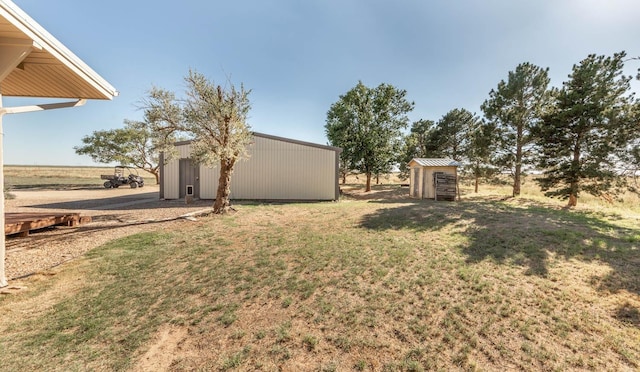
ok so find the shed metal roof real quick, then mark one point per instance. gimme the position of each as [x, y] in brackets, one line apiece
[49, 69]
[435, 162]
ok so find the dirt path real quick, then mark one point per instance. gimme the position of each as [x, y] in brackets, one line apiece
[115, 213]
[79, 200]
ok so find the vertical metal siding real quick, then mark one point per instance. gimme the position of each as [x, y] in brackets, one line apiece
[184, 151]
[172, 173]
[208, 182]
[171, 179]
[278, 170]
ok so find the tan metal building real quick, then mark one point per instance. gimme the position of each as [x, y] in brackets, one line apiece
[423, 183]
[277, 169]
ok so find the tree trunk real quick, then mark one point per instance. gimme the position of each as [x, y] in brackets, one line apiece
[368, 187]
[377, 179]
[573, 186]
[221, 205]
[476, 176]
[344, 178]
[154, 171]
[516, 176]
[516, 180]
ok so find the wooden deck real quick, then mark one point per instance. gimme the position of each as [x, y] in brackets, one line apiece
[22, 223]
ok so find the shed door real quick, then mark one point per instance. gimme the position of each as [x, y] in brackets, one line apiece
[189, 175]
[427, 184]
[416, 181]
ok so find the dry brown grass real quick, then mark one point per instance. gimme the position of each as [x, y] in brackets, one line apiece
[18, 171]
[374, 282]
[386, 179]
[62, 177]
[626, 205]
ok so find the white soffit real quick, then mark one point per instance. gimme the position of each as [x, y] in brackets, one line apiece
[49, 69]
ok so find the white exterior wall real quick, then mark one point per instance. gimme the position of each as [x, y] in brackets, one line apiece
[275, 170]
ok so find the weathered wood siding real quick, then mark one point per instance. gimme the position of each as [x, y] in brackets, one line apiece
[277, 169]
[415, 187]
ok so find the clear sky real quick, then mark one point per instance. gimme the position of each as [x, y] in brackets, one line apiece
[299, 56]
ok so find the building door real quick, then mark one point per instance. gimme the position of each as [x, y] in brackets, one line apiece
[427, 184]
[189, 176]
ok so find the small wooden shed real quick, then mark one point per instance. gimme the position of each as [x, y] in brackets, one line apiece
[433, 178]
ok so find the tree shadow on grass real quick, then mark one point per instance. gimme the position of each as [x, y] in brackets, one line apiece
[378, 192]
[628, 314]
[57, 186]
[138, 201]
[526, 236]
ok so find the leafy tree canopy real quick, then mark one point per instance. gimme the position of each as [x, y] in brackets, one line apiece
[514, 108]
[134, 145]
[367, 123]
[213, 117]
[454, 134]
[462, 136]
[589, 131]
[418, 143]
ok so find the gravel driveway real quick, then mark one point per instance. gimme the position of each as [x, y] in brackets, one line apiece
[114, 212]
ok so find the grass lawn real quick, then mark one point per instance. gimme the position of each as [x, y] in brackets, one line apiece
[363, 284]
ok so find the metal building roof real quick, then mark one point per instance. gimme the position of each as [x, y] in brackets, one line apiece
[435, 162]
[283, 139]
[303, 143]
[45, 67]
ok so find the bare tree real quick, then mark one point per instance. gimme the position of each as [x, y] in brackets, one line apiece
[214, 117]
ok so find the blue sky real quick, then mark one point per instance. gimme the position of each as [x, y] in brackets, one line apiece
[299, 56]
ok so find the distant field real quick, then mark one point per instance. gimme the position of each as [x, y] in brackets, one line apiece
[55, 177]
